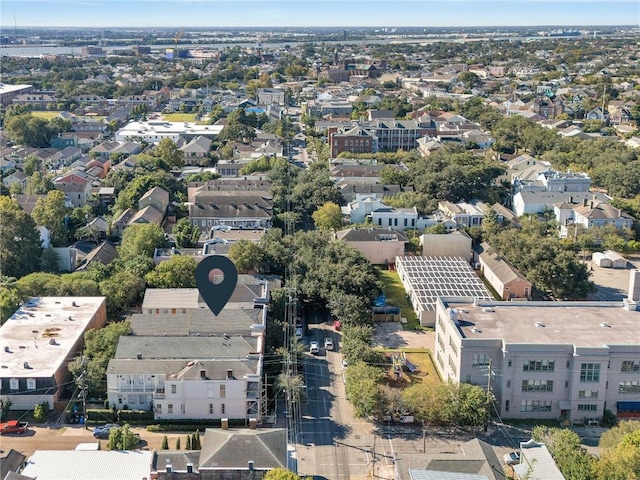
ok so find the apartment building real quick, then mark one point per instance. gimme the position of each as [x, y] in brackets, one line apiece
[547, 360]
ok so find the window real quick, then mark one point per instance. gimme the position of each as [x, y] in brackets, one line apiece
[537, 385]
[481, 359]
[588, 394]
[453, 366]
[222, 409]
[31, 383]
[223, 391]
[14, 384]
[629, 387]
[587, 407]
[630, 366]
[590, 372]
[182, 409]
[510, 363]
[506, 405]
[158, 408]
[211, 409]
[210, 391]
[539, 366]
[508, 383]
[453, 346]
[174, 388]
[170, 408]
[535, 406]
[441, 342]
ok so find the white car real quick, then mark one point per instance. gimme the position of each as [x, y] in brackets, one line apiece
[299, 332]
[314, 348]
[512, 458]
[328, 344]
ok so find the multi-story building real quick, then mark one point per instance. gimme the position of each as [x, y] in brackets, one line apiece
[154, 131]
[39, 340]
[571, 361]
[9, 92]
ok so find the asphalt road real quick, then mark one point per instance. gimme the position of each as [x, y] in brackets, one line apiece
[330, 442]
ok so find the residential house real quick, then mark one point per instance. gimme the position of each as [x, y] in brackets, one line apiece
[76, 187]
[105, 253]
[11, 462]
[453, 244]
[380, 246]
[502, 276]
[148, 214]
[156, 197]
[464, 214]
[351, 191]
[40, 339]
[355, 140]
[589, 213]
[598, 114]
[536, 463]
[196, 150]
[16, 178]
[396, 218]
[106, 149]
[123, 221]
[538, 202]
[27, 202]
[267, 96]
[358, 210]
[240, 210]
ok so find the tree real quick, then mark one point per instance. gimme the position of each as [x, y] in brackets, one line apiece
[121, 289]
[9, 302]
[165, 443]
[280, 474]
[40, 412]
[29, 131]
[141, 239]
[19, 240]
[51, 211]
[178, 443]
[363, 389]
[188, 443]
[469, 79]
[177, 272]
[619, 453]
[185, 233]
[394, 176]
[38, 184]
[49, 260]
[169, 152]
[122, 438]
[31, 165]
[572, 459]
[195, 444]
[328, 217]
[5, 405]
[246, 255]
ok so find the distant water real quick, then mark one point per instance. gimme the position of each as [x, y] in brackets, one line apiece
[37, 50]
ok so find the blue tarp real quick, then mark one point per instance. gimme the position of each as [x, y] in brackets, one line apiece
[628, 406]
[381, 301]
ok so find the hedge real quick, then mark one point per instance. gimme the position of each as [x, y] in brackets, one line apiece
[189, 425]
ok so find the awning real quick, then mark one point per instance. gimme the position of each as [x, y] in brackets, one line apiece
[628, 406]
[565, 405]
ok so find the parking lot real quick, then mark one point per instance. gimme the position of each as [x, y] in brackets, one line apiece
[612, 283]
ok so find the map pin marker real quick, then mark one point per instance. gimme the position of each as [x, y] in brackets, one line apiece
[216, 279]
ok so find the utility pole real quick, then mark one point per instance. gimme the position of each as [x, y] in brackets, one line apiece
[488, 401]
[82, 385]
[424, 439]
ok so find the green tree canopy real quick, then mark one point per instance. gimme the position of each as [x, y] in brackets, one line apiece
[141, 239]
[246, 255]
[328, 217]
[50, 212]
[169, 152]
[363, 389]
[177, 272]
[185, 233]
[19, 240]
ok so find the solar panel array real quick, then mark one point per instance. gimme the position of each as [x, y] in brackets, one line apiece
[433, 277]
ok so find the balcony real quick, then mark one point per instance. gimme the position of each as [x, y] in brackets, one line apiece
[159, 393]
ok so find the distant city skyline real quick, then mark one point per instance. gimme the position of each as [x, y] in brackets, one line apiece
[316, 13]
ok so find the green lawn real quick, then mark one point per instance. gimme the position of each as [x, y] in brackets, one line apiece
[396, 296]
[46, 115]
[179, 117]
[421, 358]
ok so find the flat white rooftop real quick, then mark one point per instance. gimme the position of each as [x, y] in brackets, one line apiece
[29, 335]
[6, 88]
[584, 324]
[89, 465]
[163, 129]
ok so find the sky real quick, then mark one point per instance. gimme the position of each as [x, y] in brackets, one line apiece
[303, 13]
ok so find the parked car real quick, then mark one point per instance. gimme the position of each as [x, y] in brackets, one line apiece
[299, 332]
[344, 363]
[512, 458]
[314, 348]
[328, 344]
[103, 431]
[13, 426]
[337, 325]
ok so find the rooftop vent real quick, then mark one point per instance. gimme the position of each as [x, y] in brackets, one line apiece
[139, 356]
[26, 365]
[488, 309]
[605, 325]
[476, 330]
[539, 325]
[7, 349]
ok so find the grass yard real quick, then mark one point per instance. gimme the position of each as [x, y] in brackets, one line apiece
[396, 296]
[179, 117]
[421, 358]
[45, 114]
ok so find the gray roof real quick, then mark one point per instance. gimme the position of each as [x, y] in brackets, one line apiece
[10, 461]
[232, 449]
[185, 369]
[194, 322]
[229, 204]
[104, 253]
[553, 197]
[499, 266]
[177, 460]
[186, 347]
[443, 475]
[371, 235]
[247, 289]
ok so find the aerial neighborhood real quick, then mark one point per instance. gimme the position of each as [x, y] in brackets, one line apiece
[436, 235]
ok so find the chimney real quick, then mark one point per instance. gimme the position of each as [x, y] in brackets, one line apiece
[7, 349]
[139, 356]
[189, 467]
[224, 424]
[591, 204]
[571, 199]
[169, 469]
[584, 202]
[203, 374]
[229, 374]
[250, 465]
[25, 365]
